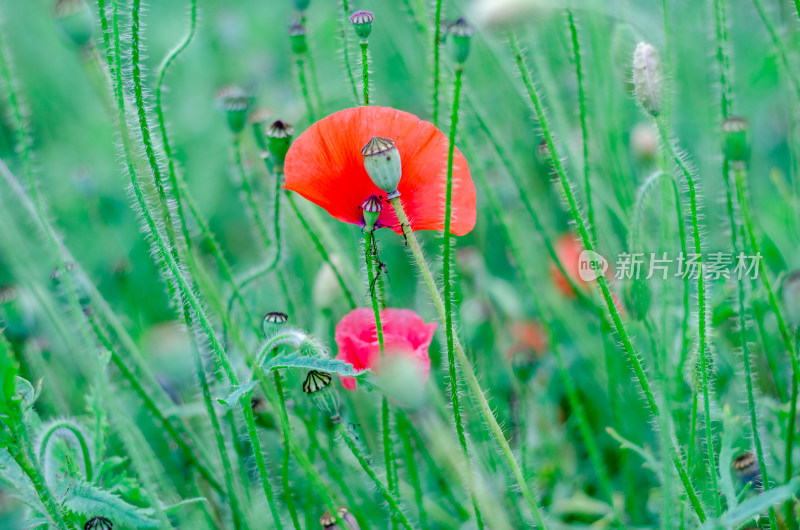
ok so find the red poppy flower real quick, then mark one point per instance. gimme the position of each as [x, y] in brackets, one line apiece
[404, 334]
[568, 251]
[325, 165]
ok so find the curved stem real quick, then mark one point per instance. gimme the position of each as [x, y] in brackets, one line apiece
[287, 492]
[78, 434]
[247, 188]
[627, 344]
[466, 366]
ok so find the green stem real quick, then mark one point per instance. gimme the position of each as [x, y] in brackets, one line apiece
[751, 403]
[702, 322]
[790, 441]
[162, 125]
[783, 52]
[365, 70]
[287, 492]
[21, 457]
[466, 366]
[723, 60]
[370, 256]
[602, 282]
[247, 188]
[301, 78]
[413, 472]
[78, 434]
[447, 244]
[587, 183]
[387, 494]
[437, 50]
[343, 20]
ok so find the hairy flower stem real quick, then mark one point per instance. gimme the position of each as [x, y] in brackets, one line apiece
[587, 182]
[343, 29]
[365, 70]
[321, 251]
[437, 51]
[466, 366]
[739, 175]
[287, 491]
[370, 256]
[394, 504]
[751, 402]
[413, 472]
[702, 322]
[627, 344]
[301, 79]
[790, 440]
[447, 245]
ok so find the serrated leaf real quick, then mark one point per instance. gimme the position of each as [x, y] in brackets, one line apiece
[87, 499]
[320, 364]
[232, 399]
[754, 506]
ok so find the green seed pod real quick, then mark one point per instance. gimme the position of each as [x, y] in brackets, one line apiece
[322, 393]
[328, 521]
[461, 33]
[75, 20]
[382, 162]
[791, 297]
[735, 144]
[236, 105]
[297, 38]
[648, 78]
[279, 139]
[272, 321]
[98, 523]
[362, 23]
[372, 210]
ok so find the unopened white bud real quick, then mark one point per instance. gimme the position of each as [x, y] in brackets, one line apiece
[648, 78]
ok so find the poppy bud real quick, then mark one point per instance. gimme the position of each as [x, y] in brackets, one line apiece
[460, 43]
[98, 523]
[297, 38]
[236, 105]
[362, 22]
[301, 5]
[747, 470]
[322, 393]
[273, 320]
[75, 20]
[382, 162]
[734, 139]
[372, 210]
[791, 297]
[279, 139]
[648, 78]
[328, 521]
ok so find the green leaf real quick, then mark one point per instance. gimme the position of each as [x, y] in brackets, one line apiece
[232, 399]
[87, 499]
[754, 506]
[320, 364]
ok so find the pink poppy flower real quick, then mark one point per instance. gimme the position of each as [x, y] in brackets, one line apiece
[404, 334]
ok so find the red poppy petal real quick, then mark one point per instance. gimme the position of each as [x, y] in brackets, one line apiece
[407, 323]
[325, 166]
